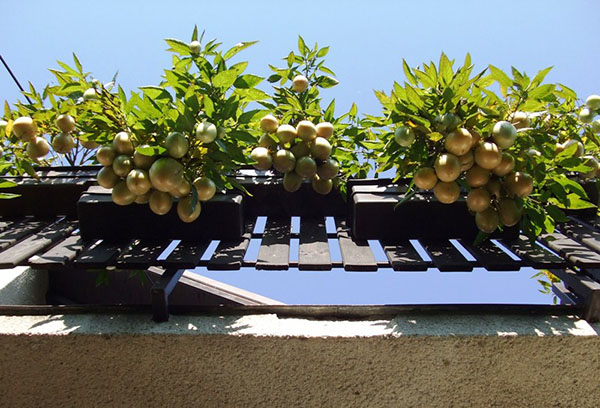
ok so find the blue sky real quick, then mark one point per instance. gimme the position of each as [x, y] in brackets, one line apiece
[368, 41]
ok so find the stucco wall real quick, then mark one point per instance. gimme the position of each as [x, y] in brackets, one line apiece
[268, 361]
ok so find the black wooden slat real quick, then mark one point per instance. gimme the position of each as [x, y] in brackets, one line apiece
[582, 233]
[274, 252]
[534, 255]
[446, 257]
[575, 252]
[313, 252]
[20, 230]
[142, 254]
[404, 257]
[19, 252]
[491, 257]
[229, 255]
[356, 255]
[59, 255]
[100, 255]
[584, 287]
[565, 295]
[186, 255]
[7, 223]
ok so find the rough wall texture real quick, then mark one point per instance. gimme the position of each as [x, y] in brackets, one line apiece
[241, 370]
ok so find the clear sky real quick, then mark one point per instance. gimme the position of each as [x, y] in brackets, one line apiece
[368, 40]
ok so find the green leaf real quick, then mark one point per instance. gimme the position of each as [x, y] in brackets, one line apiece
[329, 112]
[8, 196]
[237, 48]
[326, 81]
[539, 77]
[253, 94]
[247, 81]
[195, 33]
[209, 106]
[323, 52]
[252, 115]
[150, 150]
[302, 46]
[541, 91]
[572, 186]
[290, 59]
[500, 76]
[156, 92]
[178, 46]
[353, 110]
[225, 79]
[556, 213]
[77, 63]
[445, 69]
[7, 183]
[326, 70]
[407, 72]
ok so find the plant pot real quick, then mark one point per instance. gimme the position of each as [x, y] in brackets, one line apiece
[99, 218]
[56, 192]
[375, 214]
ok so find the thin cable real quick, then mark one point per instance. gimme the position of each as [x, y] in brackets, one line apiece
[15, 79]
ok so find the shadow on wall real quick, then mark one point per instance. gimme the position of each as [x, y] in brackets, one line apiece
[273, 325]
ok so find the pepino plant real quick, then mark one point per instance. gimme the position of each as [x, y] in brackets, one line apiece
[449, 132]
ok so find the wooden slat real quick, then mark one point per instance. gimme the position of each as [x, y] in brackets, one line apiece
[313, 252]
[229, 255]
[186, 255]
[7, 223]
[274, 252]
[446, 257]
[565, 295]
[584, 287]
[356, 255]
[19, 231]
[100, 255]
[575, 252]
[491, 257]
[142, 254]
[534, 255]
[404, 257]
[582, 233]
[39, 241]
[59, 255]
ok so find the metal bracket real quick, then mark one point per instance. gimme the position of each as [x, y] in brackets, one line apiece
[161, 290]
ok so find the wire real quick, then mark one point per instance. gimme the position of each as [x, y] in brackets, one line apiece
[15, 79]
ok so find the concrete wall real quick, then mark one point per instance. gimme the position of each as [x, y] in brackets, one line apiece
[269, 361]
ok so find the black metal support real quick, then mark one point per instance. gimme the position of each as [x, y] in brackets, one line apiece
[161, 291]
[584, 287]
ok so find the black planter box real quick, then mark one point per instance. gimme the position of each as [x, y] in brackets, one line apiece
[99, 218]
[56, 192]
[374, 214]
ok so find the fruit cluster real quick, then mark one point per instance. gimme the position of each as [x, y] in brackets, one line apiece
[138, 175]
[586, 115]
[483, 164]
[300, 153]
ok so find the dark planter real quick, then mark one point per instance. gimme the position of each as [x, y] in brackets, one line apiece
[56, 192]
[375, 214]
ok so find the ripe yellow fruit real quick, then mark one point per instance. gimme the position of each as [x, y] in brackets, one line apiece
[107, 178]
[90, 94]
[185, 212]
[121, 195]
[592, 162]
[221, 132]
[122, 165]
[24, 128]
[176, 145]
[476, 138]
[459, 142]
[182, 190]
[404, 136]
[269, 124]
[138, 182]
[38, 148]
[206, 132]
[160, 202]
[205, 187]
[495, 188]
[447, 167]
[425, 178]
[596, 126]
[449, 122]
[478, 199]
[446, 192]
[122, 143]
[507, 164]
[63, 143]
[586, 115]
[88, 144]
[142, 161]
[284, 161]
[306, 130]
[467, 161]
[292, 182]
[325, 130]
[509, 212]
[487, 155]
[285, 134]
[299, 83]
[300, 149]
[593, 102]
[321, 186]
[329, 169]
[262, 157]
[477, 176]
[166, 173]
[520, 120]
[195, 47]
[65, 122]
[320, 149]
[487, 220]
[504, 134]
[578, 152]
[3, 125]
[519, 184]
[106, 155]
[306, 167]
[144, 198]
[267, 141]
